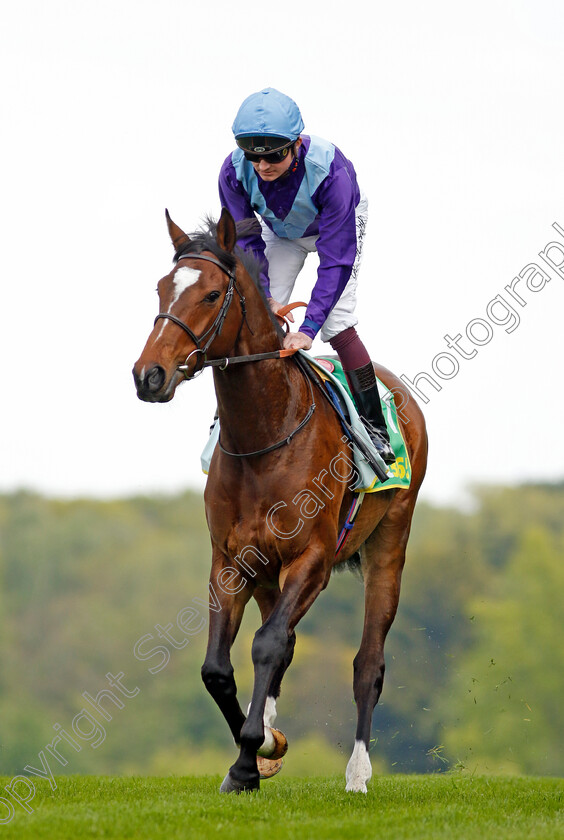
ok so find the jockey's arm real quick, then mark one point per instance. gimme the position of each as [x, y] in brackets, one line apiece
[297, 340]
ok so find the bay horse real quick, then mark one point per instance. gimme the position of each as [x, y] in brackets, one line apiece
[275, 500]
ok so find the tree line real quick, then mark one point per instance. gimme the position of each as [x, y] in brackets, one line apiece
[94, 591]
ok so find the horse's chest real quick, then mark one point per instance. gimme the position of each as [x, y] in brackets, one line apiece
[272, 528]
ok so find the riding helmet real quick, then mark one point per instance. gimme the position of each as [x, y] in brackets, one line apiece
[269, 120]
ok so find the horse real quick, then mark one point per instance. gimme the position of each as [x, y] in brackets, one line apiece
[278, 490]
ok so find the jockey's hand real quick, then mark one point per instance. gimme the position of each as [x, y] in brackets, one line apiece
[275, 306]
[297, 341]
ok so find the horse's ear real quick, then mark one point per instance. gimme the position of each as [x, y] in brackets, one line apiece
[226, 235]
[179, 238]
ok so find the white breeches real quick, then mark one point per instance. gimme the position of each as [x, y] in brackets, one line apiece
[286, 258]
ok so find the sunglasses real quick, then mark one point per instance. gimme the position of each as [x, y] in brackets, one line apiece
[269, 157]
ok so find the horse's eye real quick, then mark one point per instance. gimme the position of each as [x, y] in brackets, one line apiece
[212, 297]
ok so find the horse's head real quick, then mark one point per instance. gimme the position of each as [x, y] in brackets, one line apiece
[201, 311]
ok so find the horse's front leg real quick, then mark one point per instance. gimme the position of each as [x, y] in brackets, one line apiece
[226, 612]
[275, 744]
[267, 600]
[272, 644]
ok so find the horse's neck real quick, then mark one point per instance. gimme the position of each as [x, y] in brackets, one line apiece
[257, 400]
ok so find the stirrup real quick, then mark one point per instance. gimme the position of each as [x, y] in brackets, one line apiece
[381, 441]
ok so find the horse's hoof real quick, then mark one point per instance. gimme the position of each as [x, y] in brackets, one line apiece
[281, 744]
[231, 785]
[267, 767]
[278, 745]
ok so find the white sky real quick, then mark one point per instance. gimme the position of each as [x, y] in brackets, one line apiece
[113, 110]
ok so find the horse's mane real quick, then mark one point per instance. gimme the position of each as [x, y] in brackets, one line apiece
[204, 239]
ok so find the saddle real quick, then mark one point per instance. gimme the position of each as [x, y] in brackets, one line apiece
[330, 370]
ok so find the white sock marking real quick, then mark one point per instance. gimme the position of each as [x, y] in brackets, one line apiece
[359, 769]
[269, 717]
[269, 711]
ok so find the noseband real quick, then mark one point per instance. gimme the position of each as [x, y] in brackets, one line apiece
[215, 329]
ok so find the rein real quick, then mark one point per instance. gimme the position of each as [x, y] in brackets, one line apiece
[280, 443]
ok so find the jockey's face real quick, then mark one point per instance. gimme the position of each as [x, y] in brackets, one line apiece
[269, 171]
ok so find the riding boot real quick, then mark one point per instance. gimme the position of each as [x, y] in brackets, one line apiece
[364, 388]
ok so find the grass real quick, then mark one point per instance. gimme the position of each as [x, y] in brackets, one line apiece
[396, 807]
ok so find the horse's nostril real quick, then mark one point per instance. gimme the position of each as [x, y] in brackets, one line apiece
[155, 378]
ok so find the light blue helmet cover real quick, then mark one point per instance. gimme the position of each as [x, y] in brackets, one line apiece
[269, 113]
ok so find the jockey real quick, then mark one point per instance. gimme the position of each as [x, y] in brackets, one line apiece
[306, 194]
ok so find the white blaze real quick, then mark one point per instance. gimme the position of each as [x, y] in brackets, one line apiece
[183, 279]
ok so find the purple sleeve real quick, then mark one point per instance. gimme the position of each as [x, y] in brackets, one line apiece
[336, 198]
[233, 196]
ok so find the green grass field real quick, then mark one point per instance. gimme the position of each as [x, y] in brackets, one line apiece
[396, 807]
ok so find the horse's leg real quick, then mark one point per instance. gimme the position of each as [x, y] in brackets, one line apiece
[217, 671]
[305, 579]
[267, 600]
[384, 554]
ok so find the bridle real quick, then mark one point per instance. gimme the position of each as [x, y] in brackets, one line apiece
[212, 333]
[215, 329]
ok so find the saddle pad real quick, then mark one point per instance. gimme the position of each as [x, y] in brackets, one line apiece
[400, 470]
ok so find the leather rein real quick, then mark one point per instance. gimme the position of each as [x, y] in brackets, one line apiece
[212, 333]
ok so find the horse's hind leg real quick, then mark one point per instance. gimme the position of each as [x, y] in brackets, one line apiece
[384, 554]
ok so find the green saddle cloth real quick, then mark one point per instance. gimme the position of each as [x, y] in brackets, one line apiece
[401, 469]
